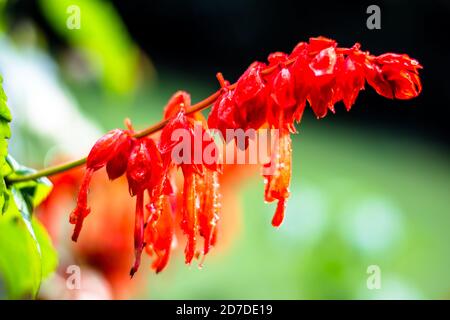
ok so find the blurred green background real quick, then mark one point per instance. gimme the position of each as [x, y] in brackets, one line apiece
[363, 193]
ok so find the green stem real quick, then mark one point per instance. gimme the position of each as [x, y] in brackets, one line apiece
[50, 171]
[45, 172]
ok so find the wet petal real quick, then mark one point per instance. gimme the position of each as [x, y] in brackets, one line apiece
[278, 175]
[138, 232]
[159, 233]
[106, 148]
[189, 223]
[208, 215]
[81, 211]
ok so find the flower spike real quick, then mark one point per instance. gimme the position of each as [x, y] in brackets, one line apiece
[272, 95]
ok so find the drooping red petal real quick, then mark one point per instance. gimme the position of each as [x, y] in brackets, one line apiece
[278, 175]
[189, 223]
[138, 232]
[283, 99]
[349, 81]
[322, 81]
[301, 73]
[144, 172]
[208, 213]
[81, 211]
[159, 233]
[111, 150]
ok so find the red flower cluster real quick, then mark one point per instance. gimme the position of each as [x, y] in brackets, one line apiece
[149, 169]
[272, 95]
[318, 72]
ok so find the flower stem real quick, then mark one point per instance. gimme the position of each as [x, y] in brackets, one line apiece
[202, 105]
[50, 171]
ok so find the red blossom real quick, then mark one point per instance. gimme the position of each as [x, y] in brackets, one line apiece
[250, 96]
[200, 194]
[223, 113]
[319, 72]
[144, 173]
[394, 76]
[271, 95]
[111, 150]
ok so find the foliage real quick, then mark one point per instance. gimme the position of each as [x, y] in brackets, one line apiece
[5, 133]
[27, 254]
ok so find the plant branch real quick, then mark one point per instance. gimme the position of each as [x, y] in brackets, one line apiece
[202, 105]
[145, 132]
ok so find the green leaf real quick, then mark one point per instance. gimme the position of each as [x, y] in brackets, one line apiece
[33, 191]
[5, 133]
[27, 254]
[25, 259]
[4, 110]
[49, 256]
[28, 194]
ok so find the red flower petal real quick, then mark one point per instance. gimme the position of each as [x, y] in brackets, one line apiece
[208, 213]
[222, 115]
[250, 97]
[320, 43]
[106, 148]
[278, 179]
[322, 81]
[144, 166]
[112, 150]
[189, 223]
[81, 211]
[144, 172]
[117, 166]
[180, 100]
[159, 233]
[350, 80]
[394, 76]
[138, 232]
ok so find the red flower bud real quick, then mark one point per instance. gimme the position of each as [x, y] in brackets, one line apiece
[111, 150]
[223, 113]
[250, 98]
[107, 147]
[394, 76]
